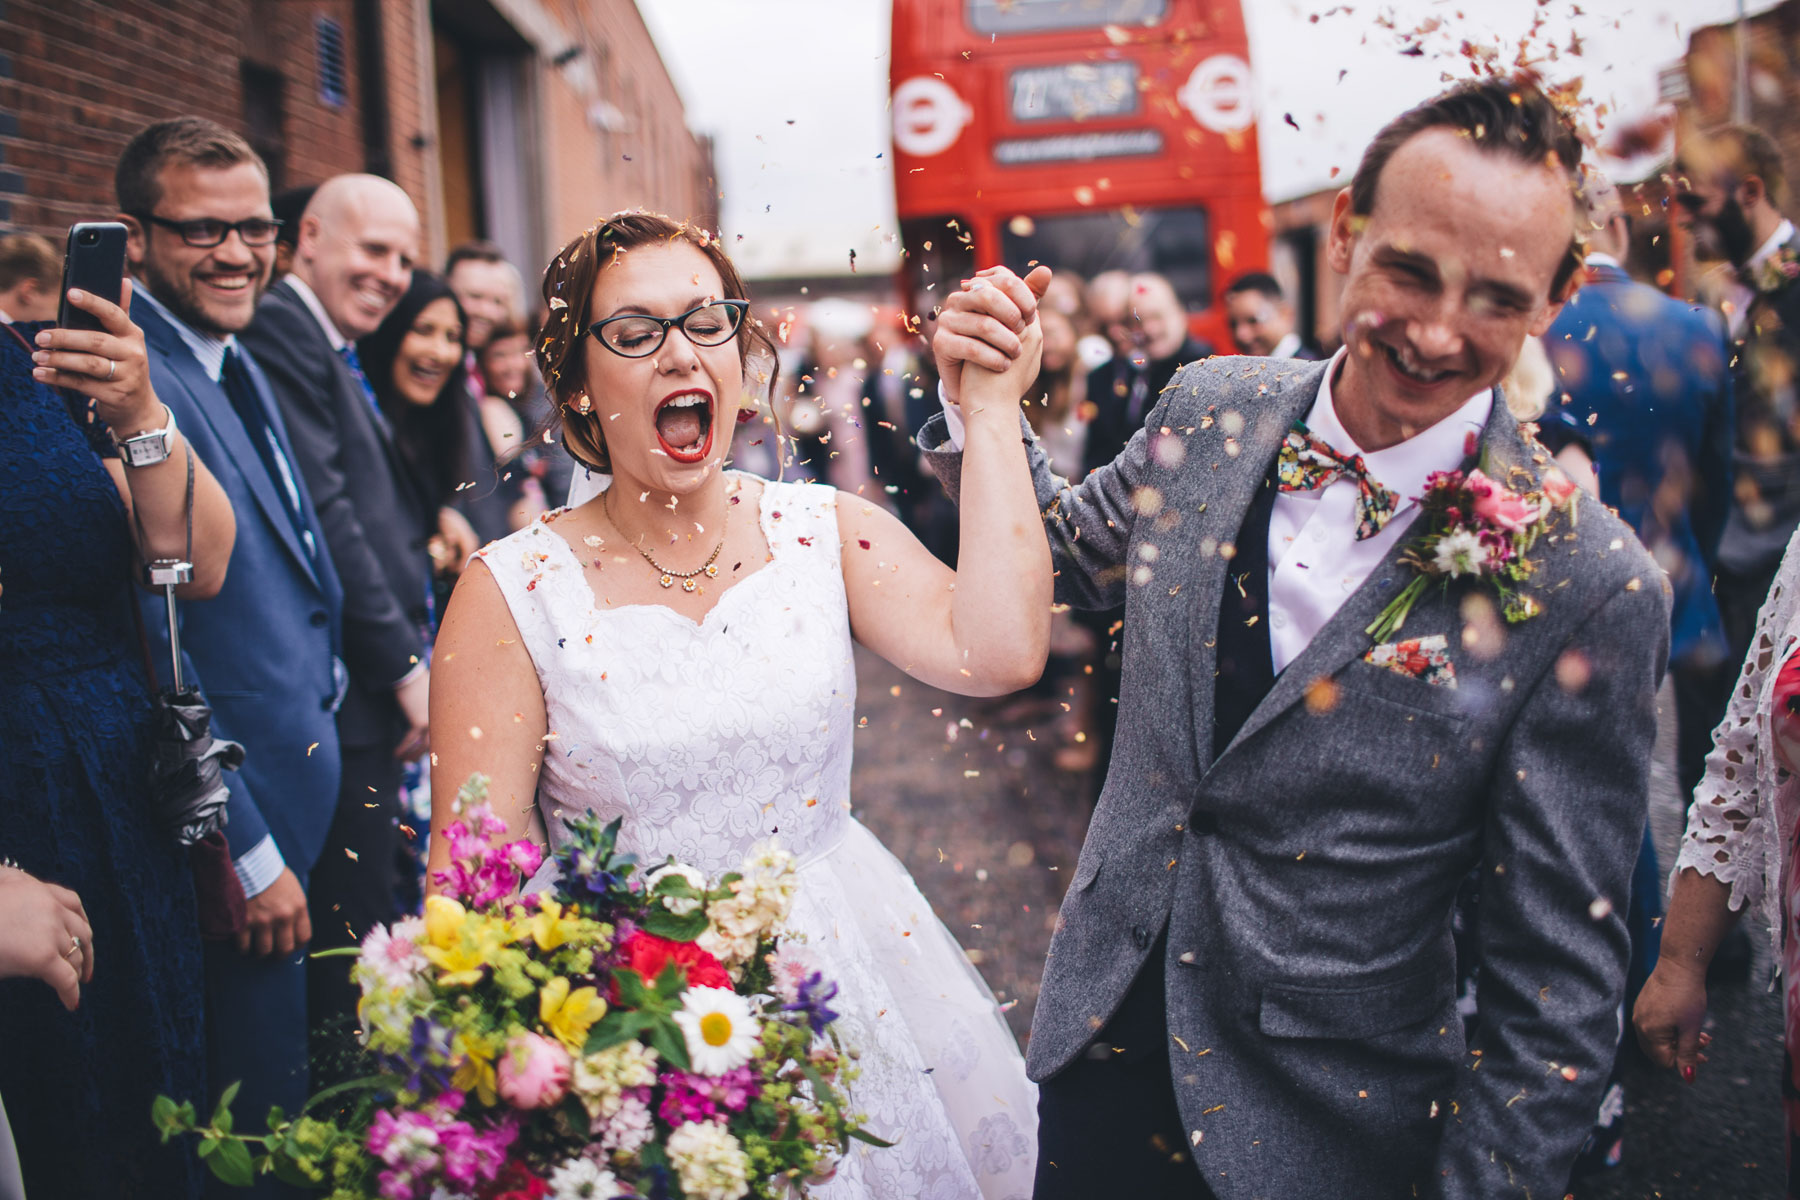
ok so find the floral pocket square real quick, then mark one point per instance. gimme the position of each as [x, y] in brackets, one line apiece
[1426, 658]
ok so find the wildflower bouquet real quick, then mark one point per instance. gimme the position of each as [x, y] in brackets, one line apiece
[635, 1034]
[1476, 528]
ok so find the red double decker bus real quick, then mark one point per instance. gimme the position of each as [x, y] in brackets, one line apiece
[1085, 134]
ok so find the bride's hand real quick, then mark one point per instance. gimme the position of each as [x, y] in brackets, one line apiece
[983, 386]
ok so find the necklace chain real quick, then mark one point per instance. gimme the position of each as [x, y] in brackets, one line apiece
[666, 577]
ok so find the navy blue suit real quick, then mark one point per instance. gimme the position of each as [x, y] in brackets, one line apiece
[1648, 385]
[1649, 389]
[264, 650]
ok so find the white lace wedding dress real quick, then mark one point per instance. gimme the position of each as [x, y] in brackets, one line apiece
[708, 737]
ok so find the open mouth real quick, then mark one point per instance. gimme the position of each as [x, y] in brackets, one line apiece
[684, 426]
[1408, 369]
[428, 374]
[228, 283]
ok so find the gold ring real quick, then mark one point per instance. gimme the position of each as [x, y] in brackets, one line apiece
[74, 945]
[112, 368]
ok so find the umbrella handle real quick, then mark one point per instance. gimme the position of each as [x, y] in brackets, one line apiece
[169, 574]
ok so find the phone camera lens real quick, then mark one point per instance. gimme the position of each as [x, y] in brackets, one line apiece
[90, 238]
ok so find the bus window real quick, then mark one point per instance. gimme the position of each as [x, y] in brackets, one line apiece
[1037, 16]
[1173, 242]
[941, 252]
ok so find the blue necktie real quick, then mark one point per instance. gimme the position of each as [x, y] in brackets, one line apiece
[348, 353]
[241, 392]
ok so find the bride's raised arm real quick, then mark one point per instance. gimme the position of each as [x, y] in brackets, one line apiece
[983, 629]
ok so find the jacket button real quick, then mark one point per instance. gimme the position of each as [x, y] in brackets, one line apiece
[319, 620]
[1203, 824]
[1141, 936]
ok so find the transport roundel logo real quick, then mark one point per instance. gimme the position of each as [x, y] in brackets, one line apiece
[928, 116]
[1218, 93]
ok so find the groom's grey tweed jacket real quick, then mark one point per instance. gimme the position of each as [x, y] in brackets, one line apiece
[1305, 873]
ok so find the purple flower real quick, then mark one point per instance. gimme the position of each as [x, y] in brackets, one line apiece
[427, 1062]
[811, 1001]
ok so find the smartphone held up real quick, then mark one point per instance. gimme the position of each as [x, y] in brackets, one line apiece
[94, 261]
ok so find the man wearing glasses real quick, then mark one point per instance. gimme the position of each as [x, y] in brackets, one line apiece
[353, 261]
[195, 198]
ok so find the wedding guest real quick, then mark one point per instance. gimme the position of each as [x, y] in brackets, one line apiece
[515, 418]
[1739, 854]
[490, 291]
[81, 475]
[43, 924]
[195, 198]
[352, 263]
[288, 208]
[414, 361]
[1123, 391]
[30, 273]
[1731, 189]
[1262, 320]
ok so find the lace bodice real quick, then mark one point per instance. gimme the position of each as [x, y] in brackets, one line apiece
[1745, 807]
[704, 738]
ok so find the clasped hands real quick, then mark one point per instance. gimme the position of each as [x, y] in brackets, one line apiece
[990, 329]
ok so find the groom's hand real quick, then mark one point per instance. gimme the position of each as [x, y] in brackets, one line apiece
[981, 324]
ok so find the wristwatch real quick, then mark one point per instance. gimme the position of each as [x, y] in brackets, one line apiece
[147, 449]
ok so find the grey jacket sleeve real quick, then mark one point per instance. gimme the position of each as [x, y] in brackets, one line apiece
[1089, 524]
[1566, 817]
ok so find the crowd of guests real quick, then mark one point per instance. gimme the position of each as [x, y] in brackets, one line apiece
[357, 426]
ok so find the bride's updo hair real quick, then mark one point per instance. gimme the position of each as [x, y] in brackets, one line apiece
[568, 298]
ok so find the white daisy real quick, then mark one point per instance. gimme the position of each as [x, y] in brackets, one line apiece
[1460, 553]
[720, 1028]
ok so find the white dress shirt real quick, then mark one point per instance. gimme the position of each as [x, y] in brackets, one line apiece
[1739, 293]
[1315, 561]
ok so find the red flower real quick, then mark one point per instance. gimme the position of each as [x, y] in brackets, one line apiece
[647, 954]
[516, 1182]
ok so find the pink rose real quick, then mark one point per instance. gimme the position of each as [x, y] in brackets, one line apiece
[533, 1072]
[1497, 506]
[1558, 488]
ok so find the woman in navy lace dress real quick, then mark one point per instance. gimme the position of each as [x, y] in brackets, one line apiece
[74, 755]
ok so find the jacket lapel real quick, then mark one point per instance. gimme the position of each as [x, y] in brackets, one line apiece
[1345, 637]
[206, 395]
[1286, 396]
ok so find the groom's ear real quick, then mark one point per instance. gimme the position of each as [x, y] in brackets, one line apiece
[1340, 238]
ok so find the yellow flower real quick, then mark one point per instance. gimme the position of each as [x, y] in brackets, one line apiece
[444, 919]
[475, 1073]
[463, 944]
[568, 1015]
[548, 927]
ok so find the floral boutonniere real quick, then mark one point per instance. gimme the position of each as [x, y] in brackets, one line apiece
[1778, 270]
[1476, 528]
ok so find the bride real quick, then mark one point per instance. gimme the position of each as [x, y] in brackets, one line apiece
[676, 651]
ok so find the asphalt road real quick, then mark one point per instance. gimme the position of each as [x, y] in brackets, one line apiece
[963, 791]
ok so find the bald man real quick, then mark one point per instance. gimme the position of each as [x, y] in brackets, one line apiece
[352, 263]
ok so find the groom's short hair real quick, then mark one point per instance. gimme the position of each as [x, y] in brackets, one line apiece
[1509, 116]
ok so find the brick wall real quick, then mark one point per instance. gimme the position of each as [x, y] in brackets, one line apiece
[78, 78]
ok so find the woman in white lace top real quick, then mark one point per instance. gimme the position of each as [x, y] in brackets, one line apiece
[676, 652]
[1739, 850]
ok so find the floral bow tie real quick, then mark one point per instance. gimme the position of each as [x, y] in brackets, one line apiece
[1306, 464]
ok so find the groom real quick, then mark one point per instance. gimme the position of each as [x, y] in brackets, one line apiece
[1251, 989]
